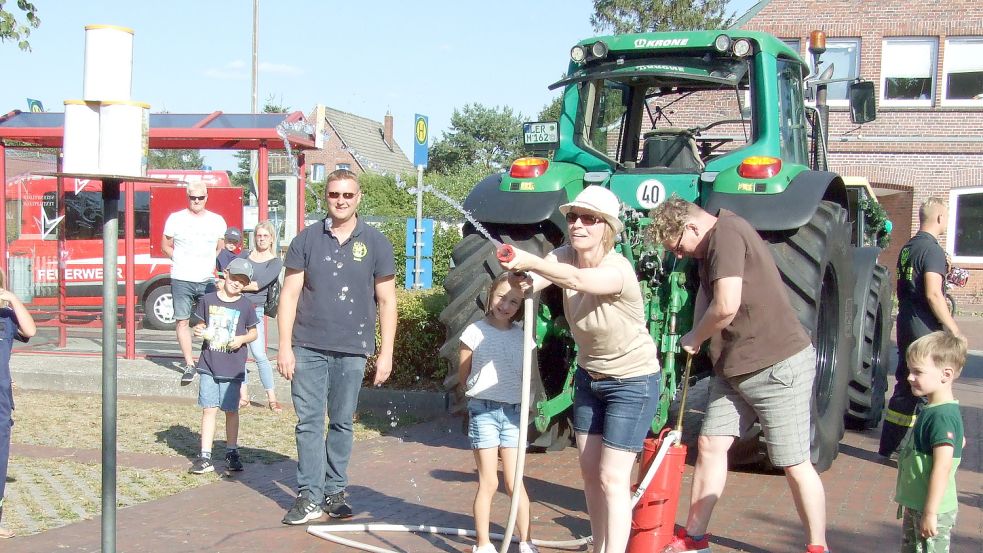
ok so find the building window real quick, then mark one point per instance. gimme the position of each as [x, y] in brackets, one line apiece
[317, 172]
[908, 71]
[962, 71]
[844, 54]
[345, 166]
[793, 43]
[965, 232]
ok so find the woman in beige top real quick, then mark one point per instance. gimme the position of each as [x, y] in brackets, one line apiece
[616, 386]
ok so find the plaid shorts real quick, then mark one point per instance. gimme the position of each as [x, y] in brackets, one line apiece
[778, 397]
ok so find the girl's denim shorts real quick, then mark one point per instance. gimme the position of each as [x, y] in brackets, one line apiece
[619, 409]
[493, 424]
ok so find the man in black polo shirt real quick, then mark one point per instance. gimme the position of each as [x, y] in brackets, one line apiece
[921, 310]
[338, 272]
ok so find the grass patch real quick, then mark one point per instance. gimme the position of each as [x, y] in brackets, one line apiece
[170, 427]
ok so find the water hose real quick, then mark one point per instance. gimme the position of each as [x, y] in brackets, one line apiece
[505, 253]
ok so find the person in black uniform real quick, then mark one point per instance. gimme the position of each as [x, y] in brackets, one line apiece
[921, 310]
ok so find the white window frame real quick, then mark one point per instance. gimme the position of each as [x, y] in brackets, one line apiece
[315, 177]
[950, 243]
[835, 102]
[933, 70]
[946, 67]
[345, 166]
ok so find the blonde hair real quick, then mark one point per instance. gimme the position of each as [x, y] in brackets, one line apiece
[930, 208]
[668, 219]
[495, 283]
[944, 349]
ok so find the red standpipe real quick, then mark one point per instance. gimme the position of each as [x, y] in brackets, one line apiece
[654, 517]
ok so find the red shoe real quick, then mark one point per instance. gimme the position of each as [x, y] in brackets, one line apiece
[684, 543]
[816, 549]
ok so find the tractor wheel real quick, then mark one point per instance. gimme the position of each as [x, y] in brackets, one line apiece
[869, 383]
[817, 269]
[475, 266]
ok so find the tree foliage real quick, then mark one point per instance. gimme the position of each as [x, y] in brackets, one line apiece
[12, 29]
[488, 137]
[552, 110]
[175, 159]
[642, 16]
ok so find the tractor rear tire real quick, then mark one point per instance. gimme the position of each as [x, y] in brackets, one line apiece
[869, 383]
[817, 268]
[475, 266]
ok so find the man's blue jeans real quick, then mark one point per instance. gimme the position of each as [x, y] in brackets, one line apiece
[324, 380]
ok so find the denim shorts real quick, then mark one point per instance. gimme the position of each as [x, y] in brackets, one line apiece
[778, 397]
[222, 393]
[619, 409]
[185, 294]
[493, 424]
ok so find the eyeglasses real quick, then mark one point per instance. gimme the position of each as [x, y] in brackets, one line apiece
[197, 198]
[586, 219]
[675, 249]
[346, 195]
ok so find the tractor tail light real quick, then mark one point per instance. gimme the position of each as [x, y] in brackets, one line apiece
[528, 167]
[759, 167]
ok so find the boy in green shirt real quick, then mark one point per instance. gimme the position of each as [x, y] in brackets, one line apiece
[926, 489]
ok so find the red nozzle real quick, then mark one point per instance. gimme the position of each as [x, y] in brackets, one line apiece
[505, 253]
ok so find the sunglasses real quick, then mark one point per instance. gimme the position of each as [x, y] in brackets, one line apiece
[197, 198]
[585, 218]
[346, 195]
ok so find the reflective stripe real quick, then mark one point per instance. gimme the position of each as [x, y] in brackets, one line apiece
[899, 419]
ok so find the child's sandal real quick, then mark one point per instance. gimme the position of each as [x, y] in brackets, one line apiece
[275, 407]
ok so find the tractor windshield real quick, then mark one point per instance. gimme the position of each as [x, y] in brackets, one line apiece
[674, 116]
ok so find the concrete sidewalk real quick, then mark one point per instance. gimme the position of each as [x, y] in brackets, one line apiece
[425, 475]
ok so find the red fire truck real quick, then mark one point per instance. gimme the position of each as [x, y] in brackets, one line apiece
[37, 232]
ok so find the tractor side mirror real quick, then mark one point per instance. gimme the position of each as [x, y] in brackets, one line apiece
[863, 106]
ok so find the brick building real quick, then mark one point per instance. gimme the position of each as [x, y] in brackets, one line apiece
[926, 62]
[355, 143]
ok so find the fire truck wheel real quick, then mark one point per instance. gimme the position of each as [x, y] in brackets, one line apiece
[158, 309]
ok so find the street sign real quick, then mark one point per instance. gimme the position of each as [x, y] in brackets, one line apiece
[421, 139]
[426, 275]
[426, 237]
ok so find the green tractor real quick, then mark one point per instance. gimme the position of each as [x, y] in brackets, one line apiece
[718, 118]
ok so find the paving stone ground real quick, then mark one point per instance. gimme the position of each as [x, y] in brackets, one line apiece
[426, 476]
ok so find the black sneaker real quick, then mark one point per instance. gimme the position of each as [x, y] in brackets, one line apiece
[189, 375]
[336, 505]
[303, 511]
[232, 460]
[201, 466]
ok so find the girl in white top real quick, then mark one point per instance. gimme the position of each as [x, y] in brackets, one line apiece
[490, 372]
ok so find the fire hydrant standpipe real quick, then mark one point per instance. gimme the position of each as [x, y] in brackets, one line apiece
[504, 253]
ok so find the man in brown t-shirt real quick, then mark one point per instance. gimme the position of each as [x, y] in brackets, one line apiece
[763, 362]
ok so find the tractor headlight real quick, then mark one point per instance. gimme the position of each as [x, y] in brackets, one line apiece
[742, 47]
[722, 43]
[577, 54]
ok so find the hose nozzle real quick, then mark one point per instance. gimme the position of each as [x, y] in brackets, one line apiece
[505, 253]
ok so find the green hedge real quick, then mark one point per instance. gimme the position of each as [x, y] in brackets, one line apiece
[419, 335]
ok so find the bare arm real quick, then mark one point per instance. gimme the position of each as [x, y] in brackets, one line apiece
[719, 312]
[385, 297]
[25, 323]
[244, 339]
[286, 313]
[220, 245]
[463, 368]
[590, 280]
[936, 300]
[168, 246]
[937, 481]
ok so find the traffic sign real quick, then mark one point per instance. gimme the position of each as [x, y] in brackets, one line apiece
[421, 139]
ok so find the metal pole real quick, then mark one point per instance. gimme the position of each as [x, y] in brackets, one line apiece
[3, 202]
[110, 229]
[129, 276]
[254, 104]
[418, 232]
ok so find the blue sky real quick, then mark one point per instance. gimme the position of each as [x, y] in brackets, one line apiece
[367, 57]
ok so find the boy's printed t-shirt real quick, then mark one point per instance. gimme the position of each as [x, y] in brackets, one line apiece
[936, 425]
[223, 322]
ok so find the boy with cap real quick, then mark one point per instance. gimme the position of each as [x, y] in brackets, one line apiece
[226, 322]
[233, 238]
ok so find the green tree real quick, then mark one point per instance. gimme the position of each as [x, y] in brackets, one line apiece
[478, 135]
[175, 159]
[12, 29]
[642, 16]
[552, 110]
